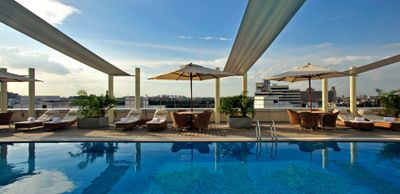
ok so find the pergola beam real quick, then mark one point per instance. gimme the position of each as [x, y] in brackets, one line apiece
[18, 17]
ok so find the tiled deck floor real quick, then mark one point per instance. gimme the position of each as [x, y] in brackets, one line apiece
[216, 133]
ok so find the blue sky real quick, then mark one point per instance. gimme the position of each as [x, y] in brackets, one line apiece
[160, 35]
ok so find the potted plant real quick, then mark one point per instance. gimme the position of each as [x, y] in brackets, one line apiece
[237, 109]
[92, 109]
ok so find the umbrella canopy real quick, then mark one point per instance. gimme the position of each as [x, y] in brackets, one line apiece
[11, 77]
[192, 72]
[307, 72]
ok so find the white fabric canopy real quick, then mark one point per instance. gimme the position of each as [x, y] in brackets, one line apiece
[262, 22]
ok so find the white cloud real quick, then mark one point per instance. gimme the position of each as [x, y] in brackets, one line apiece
[52, 11]
[214, 38]
[184, 37]
[15, 58]
[346, 59]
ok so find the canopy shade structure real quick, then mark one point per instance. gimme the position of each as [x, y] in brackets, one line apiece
[261, 24]
[18, 17]
[374, 65]
[192, 72]
[306, 72]
[10, 77]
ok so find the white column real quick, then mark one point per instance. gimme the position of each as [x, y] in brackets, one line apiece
[353, 93]
[4, 100]
[31, 97]
[137, 88]
[111, 93]
[244, 84]
[325, 95]
[353, 153]
[217, 116]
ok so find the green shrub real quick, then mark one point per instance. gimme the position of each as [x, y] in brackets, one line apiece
[237, 106]
[92, 106]
[391, 102]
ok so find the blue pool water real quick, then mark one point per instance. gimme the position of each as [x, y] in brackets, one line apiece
[298, 167]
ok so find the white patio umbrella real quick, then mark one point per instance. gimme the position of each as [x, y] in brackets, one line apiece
[11, 77]
[307, 72]
[192, 72]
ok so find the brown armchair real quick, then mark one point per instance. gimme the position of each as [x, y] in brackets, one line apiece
[202, 120]
[178, 120]
[308, 120]
[328, 121]
[294, 117]
[5, 118]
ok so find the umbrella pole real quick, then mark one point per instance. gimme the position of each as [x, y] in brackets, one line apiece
[191, 93]
[309, 92]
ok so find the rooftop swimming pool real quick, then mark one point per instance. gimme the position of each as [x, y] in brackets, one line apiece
[109, 167]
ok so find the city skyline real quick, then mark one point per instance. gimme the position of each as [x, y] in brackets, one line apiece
[134, 36]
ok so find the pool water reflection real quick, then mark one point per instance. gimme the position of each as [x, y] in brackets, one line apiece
[110, 167]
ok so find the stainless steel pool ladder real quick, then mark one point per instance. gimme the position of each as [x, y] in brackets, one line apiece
[274, 134]
[258, 131]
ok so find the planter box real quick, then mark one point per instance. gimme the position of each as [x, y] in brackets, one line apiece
[239, 122]
[91, 123]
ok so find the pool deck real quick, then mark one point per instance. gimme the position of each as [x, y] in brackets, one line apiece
[217, 133]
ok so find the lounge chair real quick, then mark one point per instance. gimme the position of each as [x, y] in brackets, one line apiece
[179, 121]
[70, 118]
[328, 121]
[131, 120]
[308, 120]
[379, 121]
[159, 120]
[348, 120]
[294, 118]
[32, 122]
[5, 118]
[202, 120]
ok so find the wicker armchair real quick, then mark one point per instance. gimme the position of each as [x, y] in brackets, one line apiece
[178, 120]
[328, 121]
[294, 117]
[202, 120]
[5, 118]
[308, 120]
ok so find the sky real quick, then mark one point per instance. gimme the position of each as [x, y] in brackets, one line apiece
[160, 35]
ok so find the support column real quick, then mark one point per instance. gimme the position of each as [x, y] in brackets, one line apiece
[31, 97]
[353, 93]
[325, 95]
[111, 93]
[353, 153]
[137, 88]
[244, 84]
[4, 100]
[217, 116]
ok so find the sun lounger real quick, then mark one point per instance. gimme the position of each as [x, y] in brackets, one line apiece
[348, 120]
[379, 121]
[32, 122]
[70, 118]
[159, 120]
[131, 120]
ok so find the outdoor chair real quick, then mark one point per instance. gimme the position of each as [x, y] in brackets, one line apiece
[294, 117]
[307, 120]
[202, 120]
[348, 120]
[5, 118]
[32, 122]
[178, 120]
[131, 120]
[379, 121]
[159, 120]
[69, 119]
[328, 121]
